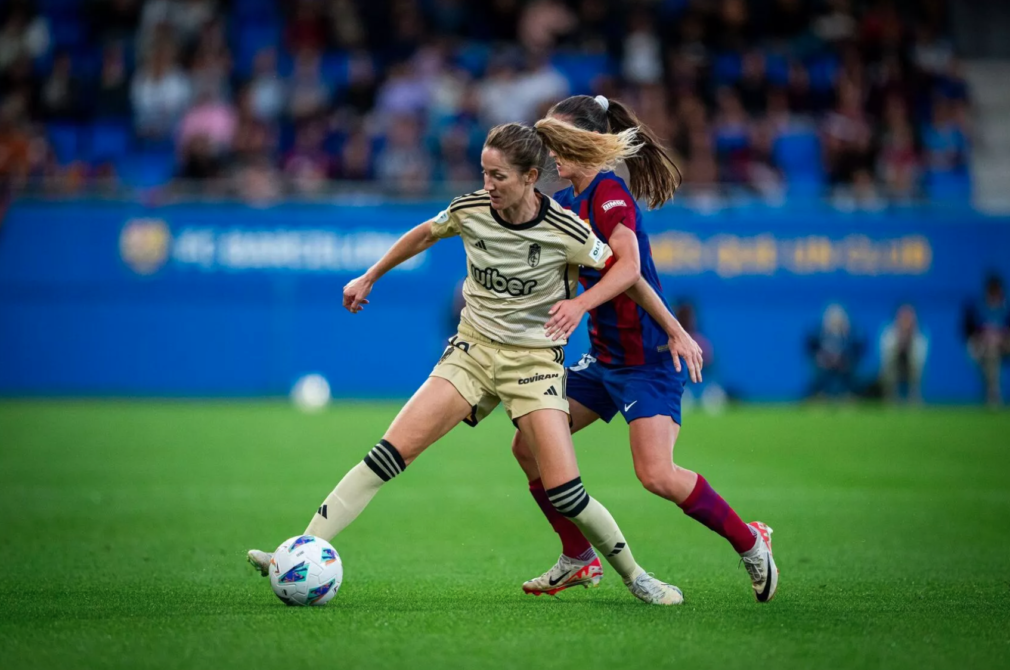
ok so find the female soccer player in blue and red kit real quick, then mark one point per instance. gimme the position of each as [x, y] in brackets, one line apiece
[633, 366]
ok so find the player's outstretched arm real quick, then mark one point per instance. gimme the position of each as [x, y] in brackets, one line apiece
[682, 345]
[413, 242]
[567, 314]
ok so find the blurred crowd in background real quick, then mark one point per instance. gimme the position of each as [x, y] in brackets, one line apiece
[862, 101]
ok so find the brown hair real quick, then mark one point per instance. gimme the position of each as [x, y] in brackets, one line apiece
[526, 148]
[654, 175]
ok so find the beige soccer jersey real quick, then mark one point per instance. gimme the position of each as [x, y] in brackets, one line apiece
[516, 272]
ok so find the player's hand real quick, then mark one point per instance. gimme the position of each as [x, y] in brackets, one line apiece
[355, 293]
[565, 318]
[683, 346]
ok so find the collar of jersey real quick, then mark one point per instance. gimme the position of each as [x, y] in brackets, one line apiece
[545, 204]
[588, 191]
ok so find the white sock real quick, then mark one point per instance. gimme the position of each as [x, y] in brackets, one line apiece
[355, 491]
[598, 525]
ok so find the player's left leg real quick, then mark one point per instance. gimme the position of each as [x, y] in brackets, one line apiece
[435, 409]
[652, 442]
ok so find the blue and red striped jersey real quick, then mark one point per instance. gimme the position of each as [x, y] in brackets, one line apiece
[621, 332]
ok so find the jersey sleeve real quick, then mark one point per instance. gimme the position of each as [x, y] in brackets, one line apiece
[446, 224]
[613, 204]
[593, 253]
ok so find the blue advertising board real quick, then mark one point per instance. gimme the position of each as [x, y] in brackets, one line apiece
[228, 300]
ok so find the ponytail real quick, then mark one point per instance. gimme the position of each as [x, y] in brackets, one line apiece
[654, 176]
[586, 148]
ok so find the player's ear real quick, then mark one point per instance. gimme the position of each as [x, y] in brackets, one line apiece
[532, 176]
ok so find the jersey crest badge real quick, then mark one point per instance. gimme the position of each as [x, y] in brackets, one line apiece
[534, 258]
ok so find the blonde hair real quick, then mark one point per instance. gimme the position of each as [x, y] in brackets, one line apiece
[654, 175]
[586, 148]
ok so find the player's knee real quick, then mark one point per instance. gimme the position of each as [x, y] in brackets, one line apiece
[520, 449]
[658, 480]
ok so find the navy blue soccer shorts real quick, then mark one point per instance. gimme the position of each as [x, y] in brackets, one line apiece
[636, 391]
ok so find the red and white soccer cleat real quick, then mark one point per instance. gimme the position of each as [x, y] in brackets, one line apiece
[565, 574]
[764, 575]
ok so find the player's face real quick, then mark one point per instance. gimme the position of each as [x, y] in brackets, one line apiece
[504, 182]
[565, 170]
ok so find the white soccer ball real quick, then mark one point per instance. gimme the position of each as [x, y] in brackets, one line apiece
[306, 570]
[311, 393]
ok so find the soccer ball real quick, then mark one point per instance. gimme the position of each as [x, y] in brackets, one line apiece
[306, 570]
[311, 393]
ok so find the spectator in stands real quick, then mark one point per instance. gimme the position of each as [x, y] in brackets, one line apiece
[357, 159]
[253, 136]
[903, 350]
[258, 182]
[405, 91]
[403, 163]
[732, 134]
[898, 164]
[500, 100]
[543, 23]
[347, 30]
[266, 88]
[539, 86]
[113, 21]
[111, 95]
[15, 146]
[358, 96]
[642, 62]
[184, 18]
[23, 33]
[987, 330]
[160, 94]
[308, 93]
[200, 165]
[212, 119]
[307, 166]
[848, 137]
[836, 351]
[62, 96]
[306, 29]
[210, 70]
[945, 140]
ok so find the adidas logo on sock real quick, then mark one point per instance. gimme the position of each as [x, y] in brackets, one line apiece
[481, 245]
[550, 391]
[322, 511]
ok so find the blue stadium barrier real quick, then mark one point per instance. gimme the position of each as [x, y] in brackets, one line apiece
[227, 300]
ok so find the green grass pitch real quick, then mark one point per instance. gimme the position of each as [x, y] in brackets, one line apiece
[124, 526]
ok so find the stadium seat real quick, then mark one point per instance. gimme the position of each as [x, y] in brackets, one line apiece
[798, 155]
[147, 169]
[948, 185]
[823, 71]
[65, 140]
[580, 70]
[777, 69]
[473, 57]
[727, 67]
[251, 38]
[110, 141]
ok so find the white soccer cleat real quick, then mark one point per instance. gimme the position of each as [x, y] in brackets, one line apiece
[565, 574]
[260, 560]
[764, 575]
[655, 592]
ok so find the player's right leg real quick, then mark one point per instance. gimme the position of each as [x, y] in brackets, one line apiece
[548, 435]
[435, 409]
[578, 564]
